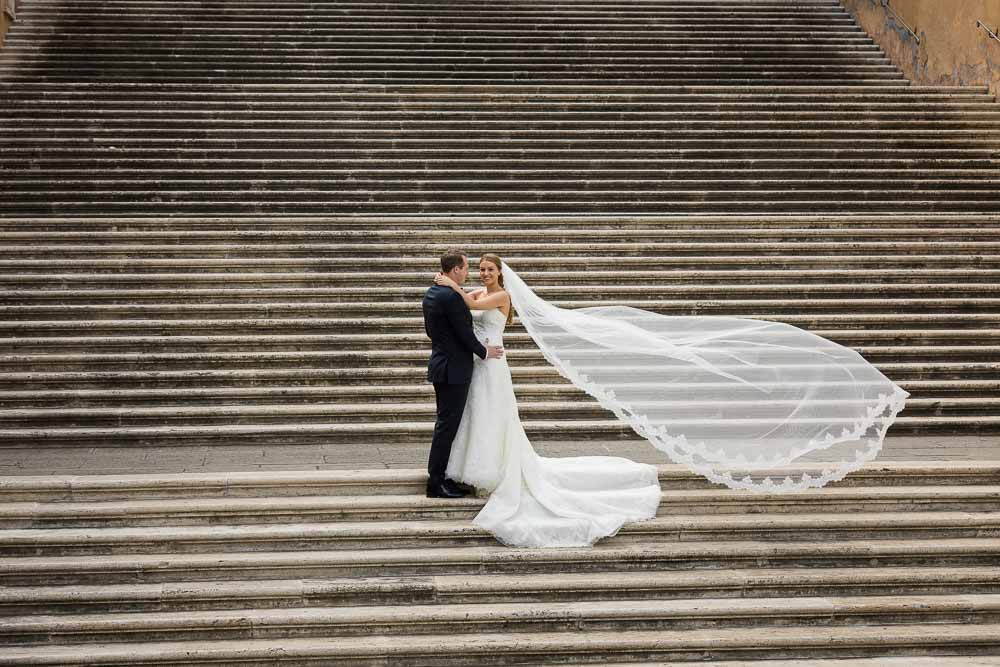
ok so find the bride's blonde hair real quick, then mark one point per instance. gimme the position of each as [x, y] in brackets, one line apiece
[497, 262]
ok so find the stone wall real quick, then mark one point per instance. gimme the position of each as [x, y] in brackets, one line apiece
[4, 23]
[952, 50]
[7, 9]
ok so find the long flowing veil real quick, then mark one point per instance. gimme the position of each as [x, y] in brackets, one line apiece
[747, 403]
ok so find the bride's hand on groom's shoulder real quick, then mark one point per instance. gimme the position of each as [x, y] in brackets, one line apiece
[444, 281]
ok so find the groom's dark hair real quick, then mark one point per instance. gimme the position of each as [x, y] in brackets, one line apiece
[452, 259]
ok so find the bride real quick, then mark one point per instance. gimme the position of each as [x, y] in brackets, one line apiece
[534, 501]
[751, 404]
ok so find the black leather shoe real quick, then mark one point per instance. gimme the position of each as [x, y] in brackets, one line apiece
[442, 489]
[461, 486]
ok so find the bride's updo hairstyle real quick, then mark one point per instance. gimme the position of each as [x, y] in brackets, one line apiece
[497, 262]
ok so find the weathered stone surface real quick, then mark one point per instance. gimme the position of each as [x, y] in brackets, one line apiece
[217, 222]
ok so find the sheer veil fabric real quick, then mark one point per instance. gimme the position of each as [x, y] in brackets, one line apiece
[751, 404]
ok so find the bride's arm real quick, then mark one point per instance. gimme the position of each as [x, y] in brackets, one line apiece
[477, 300]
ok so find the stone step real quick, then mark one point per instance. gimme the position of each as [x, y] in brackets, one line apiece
[790, 584]
[469, 620]
[593, 53]
[537, 140]
[836, 20]
[19, 318]
[469, 22]
[395, 482]
[864, 340]
[610, 14]
[609, 11]
[360, 375]
[376, 393]
[326, 433]
[282, 167]
[229, 511]
[488, 24]
[488, 29]
[56, 107]
[696, 203]
[430, 534]
[153, 238]
[453, 95]
[692, 111]
[403, 71]
[288, 264]
[915, 122]
[579, 45]
[423, 252]
[138, 358]
[838, 151]
[448, 177]
[123, 57]
[525, 96]
[391, 412]
[361, 202]
[527, 224]
[580, 263]
[79, 297]
[884, 323]
[668, 646]
[504, 24]
[575, 186]
[529, 139]
[817, 70]
[53, 284]
[152, 233]
[118, 569]
[432, 77]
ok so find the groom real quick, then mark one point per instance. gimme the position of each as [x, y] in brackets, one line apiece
[448, 323]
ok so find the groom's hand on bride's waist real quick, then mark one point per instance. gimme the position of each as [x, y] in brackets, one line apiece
[494, 351]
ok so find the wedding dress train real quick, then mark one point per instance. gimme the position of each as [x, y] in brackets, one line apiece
[536, 501]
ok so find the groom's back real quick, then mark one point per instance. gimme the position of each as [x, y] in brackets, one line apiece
[450, 361]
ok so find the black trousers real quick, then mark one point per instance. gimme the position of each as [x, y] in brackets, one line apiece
[450, 406]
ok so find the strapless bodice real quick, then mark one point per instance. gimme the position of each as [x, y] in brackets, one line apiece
[489, 325]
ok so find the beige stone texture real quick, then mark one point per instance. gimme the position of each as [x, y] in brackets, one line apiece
[952, 50]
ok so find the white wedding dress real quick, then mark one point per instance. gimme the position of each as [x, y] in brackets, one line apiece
[536, 501]
[755, 405]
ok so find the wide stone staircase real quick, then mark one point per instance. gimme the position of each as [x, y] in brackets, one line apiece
[152, 107]
[327, 568]
[216, 223]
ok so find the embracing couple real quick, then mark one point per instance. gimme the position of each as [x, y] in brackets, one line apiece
[479, 440]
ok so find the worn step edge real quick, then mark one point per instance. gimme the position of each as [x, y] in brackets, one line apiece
[360, 481]
[435, 589]
[902, 498]
[383, 533]
[678, 644]
[470, 619]
[481, 559]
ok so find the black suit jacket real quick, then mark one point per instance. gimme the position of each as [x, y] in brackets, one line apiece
[448, 323]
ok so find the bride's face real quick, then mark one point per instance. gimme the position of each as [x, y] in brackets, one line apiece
[488, 273]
